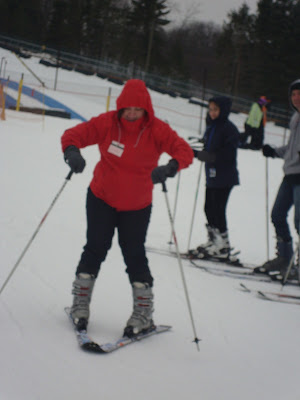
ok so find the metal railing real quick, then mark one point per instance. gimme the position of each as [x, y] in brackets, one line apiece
[120, 73]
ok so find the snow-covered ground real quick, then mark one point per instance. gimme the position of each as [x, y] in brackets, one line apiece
[249, 347]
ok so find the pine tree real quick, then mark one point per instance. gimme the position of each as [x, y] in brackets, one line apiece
[21, 19]
[235, 51]
[277, 44]
[105, 22]
[145, 22]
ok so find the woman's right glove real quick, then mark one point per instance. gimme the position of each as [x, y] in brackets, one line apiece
[268, 151]
[74, 159]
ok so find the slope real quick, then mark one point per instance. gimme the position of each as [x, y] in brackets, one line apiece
[249, 347]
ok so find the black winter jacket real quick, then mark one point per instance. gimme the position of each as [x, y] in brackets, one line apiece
[221, 138]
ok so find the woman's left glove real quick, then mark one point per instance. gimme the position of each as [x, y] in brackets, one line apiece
[205, 156]
[161, 173]
[74, 159]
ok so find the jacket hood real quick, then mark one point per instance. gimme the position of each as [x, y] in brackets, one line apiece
[135, 94]
[293, 85]
[224, 103]
[262, 101]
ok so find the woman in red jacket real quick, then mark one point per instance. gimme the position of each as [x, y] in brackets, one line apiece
[130, 140]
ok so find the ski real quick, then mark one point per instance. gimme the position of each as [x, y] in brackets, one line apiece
[232, 261]
[273, 296]
[86, 343]
[221, 268]
[165, 252]
[244, 273]
[241, 273]
[279, 297]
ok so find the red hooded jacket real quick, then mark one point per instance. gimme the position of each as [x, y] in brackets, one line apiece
[124, 181]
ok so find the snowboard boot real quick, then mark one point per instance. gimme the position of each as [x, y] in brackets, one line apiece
[200, 250]
[82, 291]
[141, 318]
[278, 266]
[220, 247]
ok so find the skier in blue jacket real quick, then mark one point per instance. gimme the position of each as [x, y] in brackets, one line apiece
[221, 140]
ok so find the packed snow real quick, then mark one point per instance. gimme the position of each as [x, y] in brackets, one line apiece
[249, 346]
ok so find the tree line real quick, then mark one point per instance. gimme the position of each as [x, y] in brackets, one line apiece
[248, 56]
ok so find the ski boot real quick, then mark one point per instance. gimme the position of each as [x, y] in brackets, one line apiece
[141, 318]
[280, 275]
[82, 291]
[196, 253]
[279, 264]
[219, 248]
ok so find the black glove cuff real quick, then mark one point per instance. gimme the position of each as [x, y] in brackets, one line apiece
[173, 166]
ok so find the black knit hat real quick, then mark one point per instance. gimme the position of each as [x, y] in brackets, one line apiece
[295, 85]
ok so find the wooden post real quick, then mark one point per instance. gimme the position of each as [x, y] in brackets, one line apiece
[108, 99]
[19, 93]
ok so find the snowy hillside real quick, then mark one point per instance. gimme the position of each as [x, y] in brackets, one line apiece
[249, 347]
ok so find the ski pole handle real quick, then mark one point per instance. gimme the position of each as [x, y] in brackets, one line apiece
[69, 175]
[164, 187]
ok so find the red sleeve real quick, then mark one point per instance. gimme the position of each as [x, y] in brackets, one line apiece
[170, 142]
[86, 133]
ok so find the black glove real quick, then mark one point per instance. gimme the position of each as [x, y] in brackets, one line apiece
[205, 156]
[160, 174]
[74, 159]
[195, 152]
[268, 151]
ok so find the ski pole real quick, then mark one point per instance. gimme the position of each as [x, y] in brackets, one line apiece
[35, 232]
[195, 205]
[175, 204]
[291, 263]
[298, 254]
[267, 209]
[196, 340]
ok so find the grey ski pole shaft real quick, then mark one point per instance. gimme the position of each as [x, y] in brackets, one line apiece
[195, 205]
[35, 233]
[175, 203]
[196, 340]
[267, 209]
[291, 263]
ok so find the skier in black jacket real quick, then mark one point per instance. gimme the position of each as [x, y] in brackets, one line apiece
[221, 140]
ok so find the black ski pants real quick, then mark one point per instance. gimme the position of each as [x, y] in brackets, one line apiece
[215, 207]
[257, 138]
[132, 227]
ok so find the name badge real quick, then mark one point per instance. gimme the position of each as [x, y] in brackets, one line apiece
[116, 148]
[212, 172]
